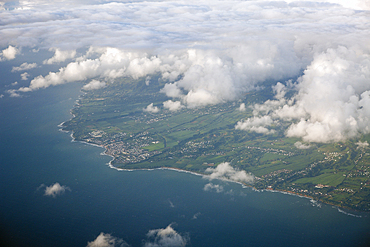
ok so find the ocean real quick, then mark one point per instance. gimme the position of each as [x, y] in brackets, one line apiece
[34, 154]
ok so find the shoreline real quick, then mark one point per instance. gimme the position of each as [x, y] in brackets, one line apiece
[291, 193]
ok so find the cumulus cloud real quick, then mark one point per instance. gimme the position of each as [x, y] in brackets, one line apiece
[107, 240]
[59, 56]
[111, 63]
[225, 171]
[151, 108]
[334, 95]
[24, 66]
[301, 145]
[332, 102]
[172, 90]
[55, 190]
[280, 90]
[24, 76]
[13, 93]
[216, 187]
[94, 84]
[9, 53]
[256, 124]
[172, 105]
[361, 144]
[242, 107]
[166, 237]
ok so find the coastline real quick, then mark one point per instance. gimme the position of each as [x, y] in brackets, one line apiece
[312, 199]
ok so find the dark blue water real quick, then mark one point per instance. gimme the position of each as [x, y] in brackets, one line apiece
[129, 204]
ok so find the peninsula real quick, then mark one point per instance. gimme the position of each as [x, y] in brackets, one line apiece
[194, 139]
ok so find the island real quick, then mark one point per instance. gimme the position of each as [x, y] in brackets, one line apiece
[117, 118]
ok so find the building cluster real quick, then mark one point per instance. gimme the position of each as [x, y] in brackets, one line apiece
[123, 147]
[272, 150]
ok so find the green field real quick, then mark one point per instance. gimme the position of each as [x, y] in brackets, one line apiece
[331, 179]
[197, 138]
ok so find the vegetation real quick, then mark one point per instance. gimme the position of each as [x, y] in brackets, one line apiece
[195, 139]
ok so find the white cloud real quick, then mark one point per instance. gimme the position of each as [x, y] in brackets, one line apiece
[256, 124]
[241, 47]
[107, 240]
[210, 52]
[24, 76]
[112, 63]
[147, 80]
[354, 4]
[242, 107]
[172, 90]
[195, 216]
[60, 56]
[172, 105]
[9, 53]
[166, 237]
[13, 93]
[55, 190]
[151, 108]
[361, 144]
[216, 187]
[171, 203]
[94, 84]
[279, 90]
[334, 94]
[332, 102]
[24, 66]
[301, 145]
[225, 171]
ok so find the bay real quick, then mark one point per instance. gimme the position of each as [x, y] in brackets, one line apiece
[34, 154]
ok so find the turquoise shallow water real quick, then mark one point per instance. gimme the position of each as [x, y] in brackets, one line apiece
[129, 204]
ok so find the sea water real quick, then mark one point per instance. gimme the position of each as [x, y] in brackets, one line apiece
[34, 154]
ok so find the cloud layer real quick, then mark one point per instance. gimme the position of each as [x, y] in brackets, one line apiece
[210, 52]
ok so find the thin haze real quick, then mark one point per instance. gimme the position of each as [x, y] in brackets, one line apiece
[210, 52]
